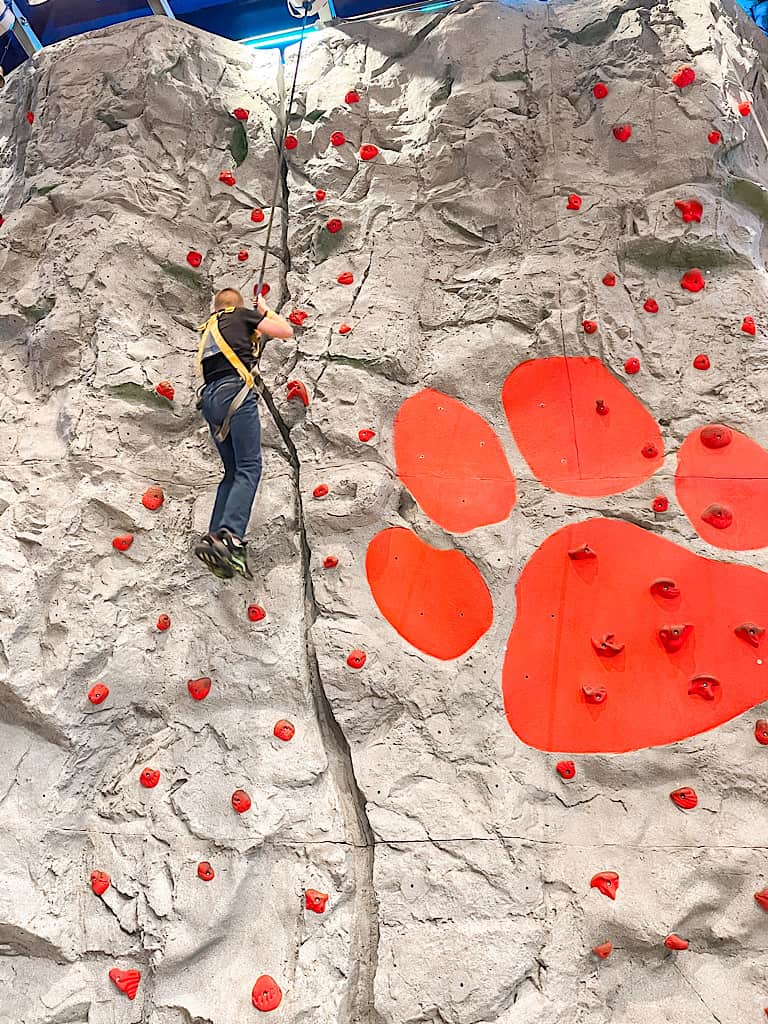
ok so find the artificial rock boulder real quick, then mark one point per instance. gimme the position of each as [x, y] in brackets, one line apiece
[457, 860]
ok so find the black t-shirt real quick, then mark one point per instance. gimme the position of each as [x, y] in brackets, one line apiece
[237, 328]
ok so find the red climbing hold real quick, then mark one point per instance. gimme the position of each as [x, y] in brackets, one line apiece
[582, 553]
[241, 113]
[601, 408]
[606, 647]
[589, 326]
[256, 613]
[98, 693]
[338, 138]
[651, 306]
[194, 258]
[291, 142]
[761, 731]
[320, 195]
[609, 280]
[242, 256]
[690, 210]
[748, 325]
[685, 76]
[649, 451]
[258, 216]
[334, 225]
[665, 588]
[603, 951]
[284, 730]
[345, 278]
[594, 694]
[126, 981]
[565, 769]
[352, 97]
[366, 434]
[267, 994]
[99, 882]
[660, 504]
[227, 178]
[315, 901]
[606, 882]
[264, 289]
[622, 132]
[704, 686]
[718, 516]
[30, 117]
[153, 498]
[295, 389]
[164, 623]
[745, 108]
[368, 152]
[241, 801]
[673, 637]
[632, 365]
[199, 688]
[356, 658]
[122, 542]
[205, 871]
[701, 362]
[330, 562]
[762, 898]
[297, 317]
[600, 90]
[344, 328]
[693, 281]
[714, 137]
[165, 390]
[751, 633]
[574, 202]
[685, 798]
[149, 778]
[2, 220]
[675, 942]
[715, 436]
[320, 491]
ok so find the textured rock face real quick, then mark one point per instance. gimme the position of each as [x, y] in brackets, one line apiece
[457, 861]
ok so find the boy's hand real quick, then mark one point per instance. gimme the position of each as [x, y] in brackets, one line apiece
[261, 305]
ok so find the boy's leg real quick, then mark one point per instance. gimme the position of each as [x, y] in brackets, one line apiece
[216, 401]
[226, 451]
[245, 438]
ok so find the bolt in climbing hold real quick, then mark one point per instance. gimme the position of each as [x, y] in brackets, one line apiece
[256, 613]
[574, 202]
[701, 362]
[320, 491]
[345, 278]
[609, 280]
[149, 778]
[685, 798]
[685, 76]
[297, 317]
[330, 562]
[126, 981]
[241, 801]
[660, 504]
[242, 256]
[267, 994]
[665, 588]
[606, 882]
[122, 542]
[295, 389]
[205, 871]
[565, 769]
[315, 901]
[762, 898]
[284, 730]
[649, 451]
[98, 693]
[745, 108]
[599, 90]
[194, 258]
[715, 435]
[30, 117]
[651, 306]
[622, 132]
[693, 281]
[368, 152]
[291, 142]
[690, 210]
[605, 646]
[352, 97]
[199, 688]
[581, 553]
[366, 434]
[258, 216]
[675, 942]
[356, 659]
[164, 623]
[761, 731]
[601, 408]
[603, 951]
[714, 137]
[165, 390]
[673, 637]
[334, 225]
[227, 178]
[751, 633]
[320, 195]
[99, 882]
[589, 326]
[632, 365]
[338, 138]
[153, 498]
[748, 325]
[241, 113]
[704, 686]
[595, 694]
[718, 516]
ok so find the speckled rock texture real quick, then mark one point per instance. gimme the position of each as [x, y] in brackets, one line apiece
[456, 860]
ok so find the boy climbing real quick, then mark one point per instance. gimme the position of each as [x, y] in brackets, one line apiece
[229, 348]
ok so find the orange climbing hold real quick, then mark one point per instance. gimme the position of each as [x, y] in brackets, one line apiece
[436, 600]
[153, 498]
[165, 390]
[690, 210]
[550, 406]
[267, 994]
[126, 981]
[122, 542]
[98, 693]
[452, 462]
[693, 281]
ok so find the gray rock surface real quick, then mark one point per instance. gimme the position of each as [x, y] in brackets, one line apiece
[457, 862]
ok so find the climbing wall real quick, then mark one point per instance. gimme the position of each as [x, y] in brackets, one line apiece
[483, 740]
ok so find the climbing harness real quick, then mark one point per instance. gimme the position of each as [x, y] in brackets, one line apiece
[211, 339]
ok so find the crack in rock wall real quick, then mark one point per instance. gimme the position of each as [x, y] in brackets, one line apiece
[456, 861]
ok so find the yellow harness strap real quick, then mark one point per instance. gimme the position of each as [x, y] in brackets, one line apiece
[211, 326]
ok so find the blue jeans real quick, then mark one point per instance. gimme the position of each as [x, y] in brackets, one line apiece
[240, 452]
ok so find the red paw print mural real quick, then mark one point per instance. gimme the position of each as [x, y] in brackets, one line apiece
[612, 621]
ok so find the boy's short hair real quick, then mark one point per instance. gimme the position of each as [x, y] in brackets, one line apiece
[227, 297]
